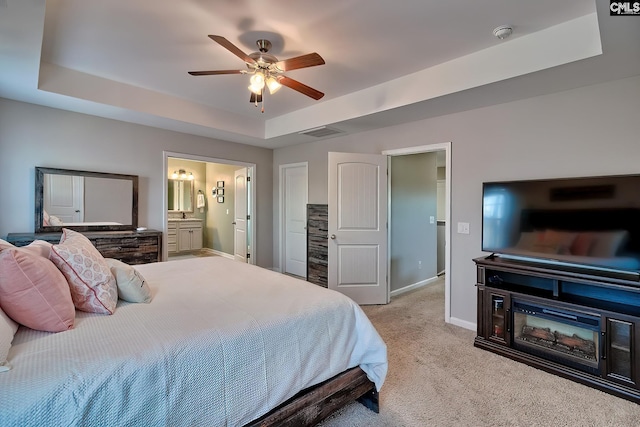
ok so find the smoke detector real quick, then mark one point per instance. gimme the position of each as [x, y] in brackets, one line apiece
[503, 31]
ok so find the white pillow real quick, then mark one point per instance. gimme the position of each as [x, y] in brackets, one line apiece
[607, 243]
[131, 285]
[8, 329]
[54, 220]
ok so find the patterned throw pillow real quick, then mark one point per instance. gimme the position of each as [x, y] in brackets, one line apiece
[93, 287]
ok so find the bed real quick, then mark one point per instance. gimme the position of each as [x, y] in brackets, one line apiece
[222, 343]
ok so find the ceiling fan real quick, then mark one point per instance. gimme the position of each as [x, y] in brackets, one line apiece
[267, 70]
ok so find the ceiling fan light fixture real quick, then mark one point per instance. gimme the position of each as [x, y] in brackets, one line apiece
[257, 83]
[273, 85]
[257, 79]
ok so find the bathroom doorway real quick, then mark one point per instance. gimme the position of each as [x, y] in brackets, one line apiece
[200, 203]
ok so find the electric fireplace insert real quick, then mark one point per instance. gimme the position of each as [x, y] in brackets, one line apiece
[568, 336]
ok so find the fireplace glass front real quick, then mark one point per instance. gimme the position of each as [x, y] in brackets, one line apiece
[569, 337]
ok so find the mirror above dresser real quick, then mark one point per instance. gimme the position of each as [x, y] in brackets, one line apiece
[102, 206]
[85, 200]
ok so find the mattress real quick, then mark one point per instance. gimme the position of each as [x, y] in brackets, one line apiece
[221, 344]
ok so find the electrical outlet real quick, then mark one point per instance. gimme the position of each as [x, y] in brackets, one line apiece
[419, 265]
[463, 228]
[432, 219]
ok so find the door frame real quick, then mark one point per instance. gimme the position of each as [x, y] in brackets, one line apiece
[251, 172]
[446, 147]
[281, 208]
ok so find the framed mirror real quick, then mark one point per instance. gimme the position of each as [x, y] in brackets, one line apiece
[180, 195]
[85, 201]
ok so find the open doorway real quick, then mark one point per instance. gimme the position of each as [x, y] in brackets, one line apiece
[201, 204]
[420, 210]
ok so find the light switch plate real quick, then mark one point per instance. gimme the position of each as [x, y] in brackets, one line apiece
[463, 228]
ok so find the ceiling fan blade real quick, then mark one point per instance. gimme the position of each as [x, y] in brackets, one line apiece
[302, 88]
[232, 48]
[255, 98]
[212, 73]
[304, 61]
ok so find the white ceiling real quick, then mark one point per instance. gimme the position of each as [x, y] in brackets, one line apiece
[386, 62]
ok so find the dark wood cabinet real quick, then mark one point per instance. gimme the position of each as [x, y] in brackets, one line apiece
[317, 238]
[131, 247]
[577, 323]
[621, 344]
[496, 326]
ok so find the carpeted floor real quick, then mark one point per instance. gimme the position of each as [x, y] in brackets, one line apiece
[437, 378]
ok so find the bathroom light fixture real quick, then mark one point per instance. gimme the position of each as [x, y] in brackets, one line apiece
[182, 174]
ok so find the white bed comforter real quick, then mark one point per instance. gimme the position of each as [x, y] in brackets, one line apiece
[221, 344]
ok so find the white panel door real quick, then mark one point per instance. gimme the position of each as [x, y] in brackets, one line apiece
[64, 197]
[295, 205]
[358, 227]
[240, 215]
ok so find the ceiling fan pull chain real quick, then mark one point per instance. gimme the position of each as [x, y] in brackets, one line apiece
[263, 97]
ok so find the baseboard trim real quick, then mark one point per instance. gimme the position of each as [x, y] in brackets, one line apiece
[413, 286]
[463, 323]
[219, 253]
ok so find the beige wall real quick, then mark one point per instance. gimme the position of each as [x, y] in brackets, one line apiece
[32, 135]
[413, 243]
[587, 131]
[220, 215]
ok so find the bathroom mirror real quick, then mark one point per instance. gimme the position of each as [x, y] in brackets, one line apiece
[180, 195]
[85, 200]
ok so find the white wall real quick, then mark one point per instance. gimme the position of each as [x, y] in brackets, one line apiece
[586, 131]
[32, 135]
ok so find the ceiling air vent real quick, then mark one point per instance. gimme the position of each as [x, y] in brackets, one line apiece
[321, 132]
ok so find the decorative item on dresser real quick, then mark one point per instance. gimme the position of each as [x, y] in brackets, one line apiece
[131, 247]
[317, 226]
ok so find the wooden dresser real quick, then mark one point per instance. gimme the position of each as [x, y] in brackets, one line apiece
[131, 247]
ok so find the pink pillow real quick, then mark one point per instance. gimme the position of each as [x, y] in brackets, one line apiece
[5, 245]
[582, 245]
[38, 247]
[93, 287]
[34, 293]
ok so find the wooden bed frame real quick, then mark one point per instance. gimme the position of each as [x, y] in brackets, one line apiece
[316, 403]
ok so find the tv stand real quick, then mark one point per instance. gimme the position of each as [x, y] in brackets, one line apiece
[579, 323]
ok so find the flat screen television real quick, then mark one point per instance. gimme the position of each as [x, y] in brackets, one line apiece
[587, 221]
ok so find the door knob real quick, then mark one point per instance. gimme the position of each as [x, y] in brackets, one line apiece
[234, 223]
[333, 236]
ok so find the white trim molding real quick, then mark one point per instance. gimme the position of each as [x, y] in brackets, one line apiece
[446, 147]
